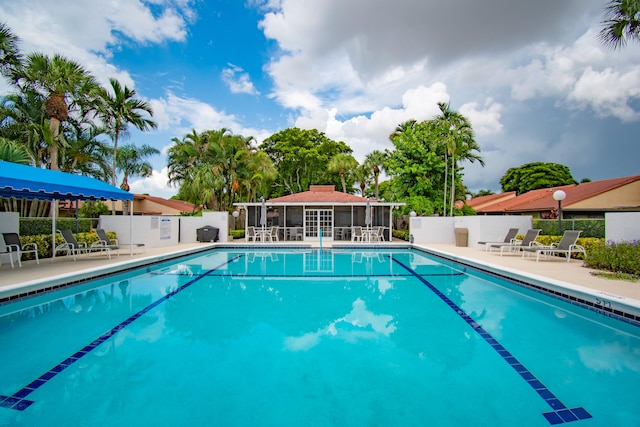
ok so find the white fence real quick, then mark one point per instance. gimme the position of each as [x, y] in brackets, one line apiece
[157, 231]
[622, 226]
[479, 228]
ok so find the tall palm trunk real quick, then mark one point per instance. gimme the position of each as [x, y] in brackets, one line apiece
[444, 197]
[453, 185]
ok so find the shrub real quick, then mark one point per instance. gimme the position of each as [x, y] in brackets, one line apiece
[589, 227]
[237, 234]
[401, 234]
[36, 226]
[623, 257]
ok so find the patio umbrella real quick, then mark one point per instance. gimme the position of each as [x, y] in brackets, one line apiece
[263, 214]
[367, 215]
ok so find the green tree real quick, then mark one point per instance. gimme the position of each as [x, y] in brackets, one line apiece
[362, 175]
[342, 164]
[415, 166]
[457, 139]
[12, 151]
[120, 108]
[132, 162]
[10, 56]
[85, 153]
[92, 209]
[301, 158]
[536, 175]
[58, 80]
[376, 162]
[22, 119]
[215, 168]
[621, 24]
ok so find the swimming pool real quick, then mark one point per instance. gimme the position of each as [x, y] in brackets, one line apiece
[314, 337]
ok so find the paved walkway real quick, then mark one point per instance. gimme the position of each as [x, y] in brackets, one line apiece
[63, 269]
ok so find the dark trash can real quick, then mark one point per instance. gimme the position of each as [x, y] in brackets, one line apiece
[207, 234]
[462, 236]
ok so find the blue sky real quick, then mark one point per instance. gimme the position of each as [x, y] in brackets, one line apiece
[531, 77]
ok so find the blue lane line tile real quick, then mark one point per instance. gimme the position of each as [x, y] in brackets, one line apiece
[17, 401]
[561, 414]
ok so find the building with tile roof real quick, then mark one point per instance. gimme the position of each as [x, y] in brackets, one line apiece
[585, 200]
[301, 216]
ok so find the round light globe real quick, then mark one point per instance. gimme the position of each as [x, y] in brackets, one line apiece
[413, 213]
[235, 214]
[559, 195]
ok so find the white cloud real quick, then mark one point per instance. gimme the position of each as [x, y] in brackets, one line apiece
[86, 30]
[157, 184]
[238, 81]
[484, 121]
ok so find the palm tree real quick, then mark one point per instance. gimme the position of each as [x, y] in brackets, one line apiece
[621, 24]
[375, 160]
[215, 167]
[22, 119]
[342, 163]
[120, 108]
[85, 153]
[451, 124]
[12, 151]
[362, 174]
[132, 162]
[10, 57]
[56, 79]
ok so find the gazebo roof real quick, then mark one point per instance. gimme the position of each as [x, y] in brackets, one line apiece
[321, 194]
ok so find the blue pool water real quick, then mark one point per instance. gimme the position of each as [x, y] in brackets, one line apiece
[319, 338]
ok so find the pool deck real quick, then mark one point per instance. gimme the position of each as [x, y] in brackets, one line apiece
[64, 269]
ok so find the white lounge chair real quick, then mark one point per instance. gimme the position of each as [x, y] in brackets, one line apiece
[529, 240]
[73, 247]
[509, 238]
[14, 246]
[566, 246]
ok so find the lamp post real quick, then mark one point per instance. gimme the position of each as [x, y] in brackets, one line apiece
[559, 196]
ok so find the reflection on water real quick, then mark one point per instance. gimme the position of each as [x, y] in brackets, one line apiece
[611, 357]
[369, 324]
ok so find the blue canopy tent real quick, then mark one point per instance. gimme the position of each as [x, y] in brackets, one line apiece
[27, 182]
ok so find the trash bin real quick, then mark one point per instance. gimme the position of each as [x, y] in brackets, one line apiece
[207, 234]
[462, 235]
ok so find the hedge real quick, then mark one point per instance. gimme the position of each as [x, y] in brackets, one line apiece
[589, 227]
[37, 226]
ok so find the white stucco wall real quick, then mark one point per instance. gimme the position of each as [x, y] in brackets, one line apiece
[164, 230]
[622, 226]
[480, 228]
[153, 231]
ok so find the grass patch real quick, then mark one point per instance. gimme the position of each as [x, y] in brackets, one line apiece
[616, 276]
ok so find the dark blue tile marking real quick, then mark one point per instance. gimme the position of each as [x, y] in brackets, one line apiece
[17, 400]
[560, 413]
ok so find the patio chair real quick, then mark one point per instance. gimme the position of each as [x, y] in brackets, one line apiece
[356, 234]
[13, 244]
[251, 234]
[529, 240]
[273, 234]
[509, 238]
[73, 247]
[567, 246]
[378, 235]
